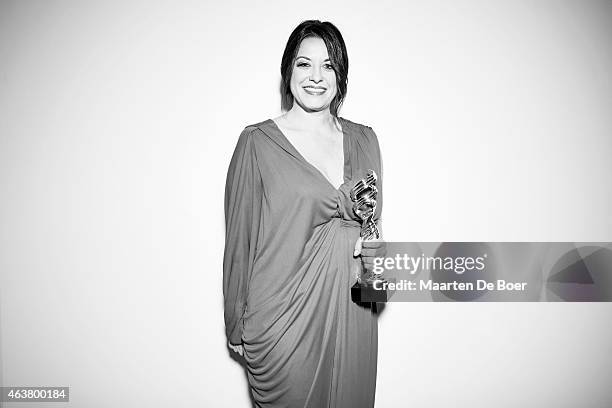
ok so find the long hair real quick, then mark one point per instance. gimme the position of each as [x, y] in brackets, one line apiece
[337, 56]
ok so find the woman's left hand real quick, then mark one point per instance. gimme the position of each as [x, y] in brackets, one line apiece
[369, 250]
[236, 348]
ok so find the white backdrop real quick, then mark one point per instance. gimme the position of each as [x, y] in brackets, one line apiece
[117, 123]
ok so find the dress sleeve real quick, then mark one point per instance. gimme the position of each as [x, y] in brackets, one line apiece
[243, 196]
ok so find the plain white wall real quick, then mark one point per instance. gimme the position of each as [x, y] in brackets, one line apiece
[117, 123]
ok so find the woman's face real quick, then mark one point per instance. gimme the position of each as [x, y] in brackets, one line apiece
[313, 81]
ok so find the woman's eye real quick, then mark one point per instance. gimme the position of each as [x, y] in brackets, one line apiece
[328, 66]
[302, 64]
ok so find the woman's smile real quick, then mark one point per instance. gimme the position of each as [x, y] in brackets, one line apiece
[314, 90]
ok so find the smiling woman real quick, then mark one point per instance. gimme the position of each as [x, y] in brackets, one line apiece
[313, 88]
[313, 83]
[290, 237]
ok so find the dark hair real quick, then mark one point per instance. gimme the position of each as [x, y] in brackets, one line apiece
[337, 56]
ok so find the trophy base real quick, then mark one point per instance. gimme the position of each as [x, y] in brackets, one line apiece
[365, 293]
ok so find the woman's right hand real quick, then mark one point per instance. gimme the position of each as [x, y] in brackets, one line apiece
[237, 348]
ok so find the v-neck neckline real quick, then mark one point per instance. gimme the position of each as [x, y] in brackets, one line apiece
[345, 153]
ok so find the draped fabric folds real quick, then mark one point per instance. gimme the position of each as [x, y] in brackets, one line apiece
[288, 268]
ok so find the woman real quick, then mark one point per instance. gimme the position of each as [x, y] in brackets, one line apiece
[292, 238]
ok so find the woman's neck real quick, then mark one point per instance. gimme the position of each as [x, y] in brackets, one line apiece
[298, 117]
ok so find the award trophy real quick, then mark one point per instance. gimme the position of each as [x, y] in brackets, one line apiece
[363, 195]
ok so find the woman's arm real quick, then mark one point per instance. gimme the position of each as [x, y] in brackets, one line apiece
[243, 196]
[377, 247]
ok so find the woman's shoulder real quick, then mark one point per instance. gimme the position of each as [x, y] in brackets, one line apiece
[254, 127]
[252, 133]
[354, 124]
[360, 129]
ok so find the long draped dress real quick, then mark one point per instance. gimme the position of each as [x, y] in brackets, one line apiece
[288, 268]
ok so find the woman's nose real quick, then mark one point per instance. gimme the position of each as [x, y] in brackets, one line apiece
[316, 74]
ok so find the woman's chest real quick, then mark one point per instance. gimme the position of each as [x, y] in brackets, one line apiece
[291, 181]
[325, 152]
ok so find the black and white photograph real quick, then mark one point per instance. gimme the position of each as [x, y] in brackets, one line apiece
[342, 204]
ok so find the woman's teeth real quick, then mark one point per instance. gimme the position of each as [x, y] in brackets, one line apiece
[314, 91]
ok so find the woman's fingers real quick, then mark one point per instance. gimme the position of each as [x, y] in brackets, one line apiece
[236, 348]
[374, 243]
[375, 248]
[371, 250]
